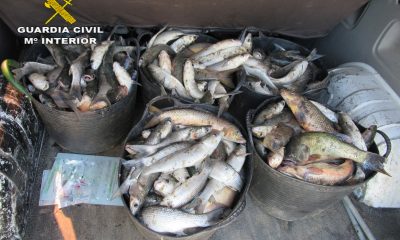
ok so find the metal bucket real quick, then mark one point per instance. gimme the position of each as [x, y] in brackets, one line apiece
[288, 198]
[249, 99]
[165, 103]
[92, 132]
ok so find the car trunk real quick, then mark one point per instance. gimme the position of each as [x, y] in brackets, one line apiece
[343, 31]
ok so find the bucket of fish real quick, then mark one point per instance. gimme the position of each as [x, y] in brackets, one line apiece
[85, 97]
[195, 67]
[277, 63]
[307, 157]
[187, 171]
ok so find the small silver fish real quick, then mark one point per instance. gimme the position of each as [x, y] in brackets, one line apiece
[183, 42]
[189, 189]
[39, 81]
[147, 161]
[98, 54]
[187, 157]
[225, 174]
[186, 134]
[168, 220]
[165, 184]
[167, 80]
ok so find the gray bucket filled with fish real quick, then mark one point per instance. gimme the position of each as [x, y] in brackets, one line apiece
[87, 104]
[274, 61]
[201, 69]
[305, 156]
[185, 189]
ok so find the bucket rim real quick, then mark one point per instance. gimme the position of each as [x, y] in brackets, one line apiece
[249, 119]
[240, 201]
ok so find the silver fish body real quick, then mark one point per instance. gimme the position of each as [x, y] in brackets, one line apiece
[76, 70]
[168, 220]
[183, 42]
[270, 111]
[139, 191]
[331, 115]
[225, 174]
[237, 158]
[349, 128]
[32, 67]
[160, 132]
[186, 134]
[123, 77]
[217, 46]
[166, 37]
[187, 157]
[187, 190]
[189, 81]
[98, 54]
[147, 161]
[165, 184]
[39, 81]
[230, 63]
[181, 175]
[164, 61]
[167, 80]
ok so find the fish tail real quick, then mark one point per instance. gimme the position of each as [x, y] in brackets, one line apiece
[142, 150]
[100, 102]
[314, 55]
[375, 162]
[132, 163]
[226, 78]
[214, 217]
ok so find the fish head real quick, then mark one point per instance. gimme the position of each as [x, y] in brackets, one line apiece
[234, 135]
[259, 54]
[163, 54]
[134, 204]
[248, 42]
[193, 37]
[199, 132]
[292, 99]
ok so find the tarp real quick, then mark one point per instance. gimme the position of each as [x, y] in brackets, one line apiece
[309, 18]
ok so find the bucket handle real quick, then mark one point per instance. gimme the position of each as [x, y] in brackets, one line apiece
[6, 70]
[387, 141]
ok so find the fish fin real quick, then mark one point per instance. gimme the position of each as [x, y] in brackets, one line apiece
[279, 47]
[213, 217]
[96, 103]
[163, 91]
[153, 109]
[222, 108]
[207, 98]
[261, 34]
[313, 55]
[375, 162]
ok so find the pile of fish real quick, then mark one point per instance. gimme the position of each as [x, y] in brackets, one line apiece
[82, 78]
[306, 140]
[199, 71]
[185, 171]
[290, 69]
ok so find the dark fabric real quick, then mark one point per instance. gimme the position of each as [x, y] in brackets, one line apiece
[308, 18]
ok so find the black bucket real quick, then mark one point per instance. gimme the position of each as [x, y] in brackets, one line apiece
[166, 103]
[249, 99]
[92, 132]
[288, 198]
